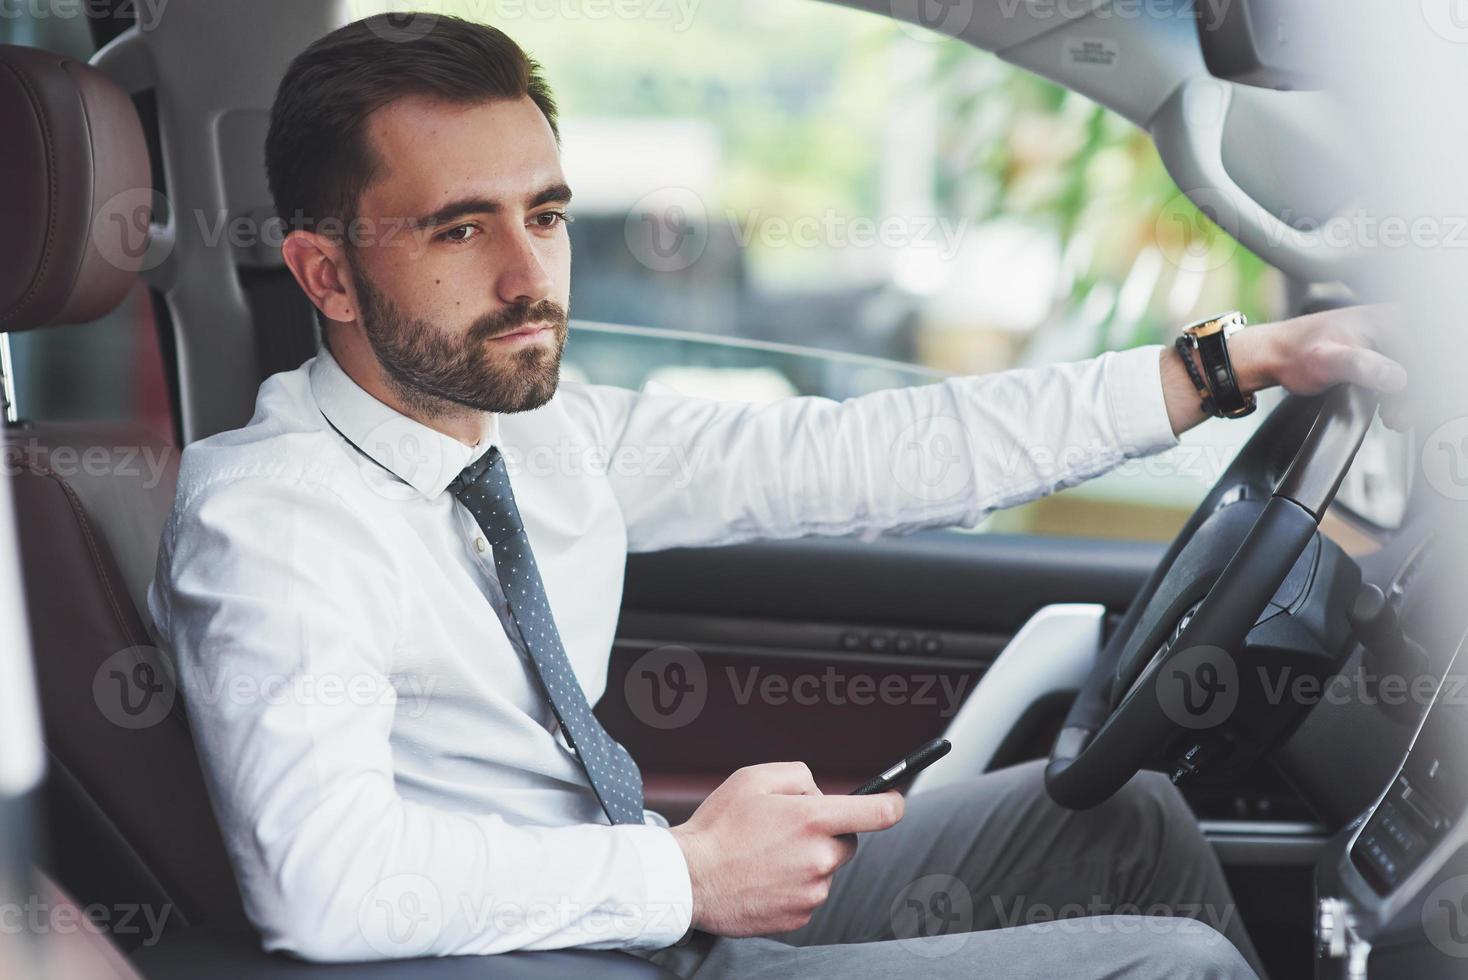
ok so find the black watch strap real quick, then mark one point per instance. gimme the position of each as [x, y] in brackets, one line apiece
[1210, 339]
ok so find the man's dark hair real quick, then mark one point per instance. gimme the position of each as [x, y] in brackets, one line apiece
[317, 155]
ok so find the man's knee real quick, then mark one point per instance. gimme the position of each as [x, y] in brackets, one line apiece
[1185, 949]
[1142, 947]
[1154, 794]
[1155, 812]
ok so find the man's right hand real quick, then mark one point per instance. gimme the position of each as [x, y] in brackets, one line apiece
[762, 848]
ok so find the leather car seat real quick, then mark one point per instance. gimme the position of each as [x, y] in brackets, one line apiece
[128, 815]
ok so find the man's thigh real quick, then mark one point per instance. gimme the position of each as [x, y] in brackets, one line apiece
[995, 852]
[990, 879]
[1105, 948]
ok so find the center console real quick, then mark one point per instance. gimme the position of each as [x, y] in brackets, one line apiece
[1392, 888]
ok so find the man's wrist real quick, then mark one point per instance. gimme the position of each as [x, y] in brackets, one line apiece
[688, 843]
[1254, 354]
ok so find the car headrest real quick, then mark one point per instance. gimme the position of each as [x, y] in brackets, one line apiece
[74, 171]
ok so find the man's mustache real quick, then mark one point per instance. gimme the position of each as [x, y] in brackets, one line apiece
[512, 318]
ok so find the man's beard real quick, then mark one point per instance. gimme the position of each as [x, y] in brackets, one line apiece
[433, 372]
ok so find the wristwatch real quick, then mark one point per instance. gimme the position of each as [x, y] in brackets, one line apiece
[1215, 381]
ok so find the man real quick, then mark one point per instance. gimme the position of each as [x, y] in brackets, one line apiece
[389, 626]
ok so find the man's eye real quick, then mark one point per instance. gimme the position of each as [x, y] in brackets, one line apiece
[549, 219]
[459, 235]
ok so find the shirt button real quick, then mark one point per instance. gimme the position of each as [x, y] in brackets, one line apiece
[480, 545]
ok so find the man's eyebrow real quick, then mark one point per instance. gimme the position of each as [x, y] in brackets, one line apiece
[555, 193]
[456, 209]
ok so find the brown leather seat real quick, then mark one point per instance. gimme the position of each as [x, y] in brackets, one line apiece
[127, 814]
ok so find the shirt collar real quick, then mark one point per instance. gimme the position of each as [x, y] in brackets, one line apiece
[420, 456]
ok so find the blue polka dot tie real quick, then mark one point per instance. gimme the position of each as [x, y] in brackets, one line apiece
[484, 488]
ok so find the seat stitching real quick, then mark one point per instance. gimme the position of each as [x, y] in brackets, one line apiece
[97, 565]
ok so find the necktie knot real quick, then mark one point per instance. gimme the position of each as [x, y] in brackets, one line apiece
[484, 488]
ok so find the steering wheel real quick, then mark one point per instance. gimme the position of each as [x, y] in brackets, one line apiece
[1158, 676]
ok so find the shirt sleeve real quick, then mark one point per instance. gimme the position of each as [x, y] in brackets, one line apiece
[691, 471]
[281, 611]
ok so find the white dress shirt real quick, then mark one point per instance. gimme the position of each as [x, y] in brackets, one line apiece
[385, 768]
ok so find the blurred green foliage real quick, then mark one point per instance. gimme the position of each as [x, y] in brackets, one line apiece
[800, 95]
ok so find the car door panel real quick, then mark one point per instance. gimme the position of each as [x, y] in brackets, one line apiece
[840, 653]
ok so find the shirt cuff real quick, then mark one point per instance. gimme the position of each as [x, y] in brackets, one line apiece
[668, 890]
[1133, 382]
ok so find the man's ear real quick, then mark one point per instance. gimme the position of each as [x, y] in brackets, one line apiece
[318, 263]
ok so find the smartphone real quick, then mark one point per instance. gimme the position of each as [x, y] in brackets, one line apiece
[915, 762]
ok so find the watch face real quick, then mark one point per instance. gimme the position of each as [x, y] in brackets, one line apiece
[1228, 323]
[1233, 323]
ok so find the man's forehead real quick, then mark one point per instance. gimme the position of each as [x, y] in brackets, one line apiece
[430, 151]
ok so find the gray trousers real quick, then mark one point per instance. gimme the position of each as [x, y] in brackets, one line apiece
[990, 880]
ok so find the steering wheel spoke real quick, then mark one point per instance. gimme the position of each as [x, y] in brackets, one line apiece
[1191, 663]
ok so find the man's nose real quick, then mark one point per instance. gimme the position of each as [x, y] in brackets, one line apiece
[523, 275]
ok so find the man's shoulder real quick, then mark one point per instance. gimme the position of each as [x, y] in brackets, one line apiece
[590, 411]
[287, 442]
[582, 401]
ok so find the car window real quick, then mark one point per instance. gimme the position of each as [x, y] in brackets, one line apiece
[810, 175]
[62, 29]
[746, 370]
[1380, 480]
